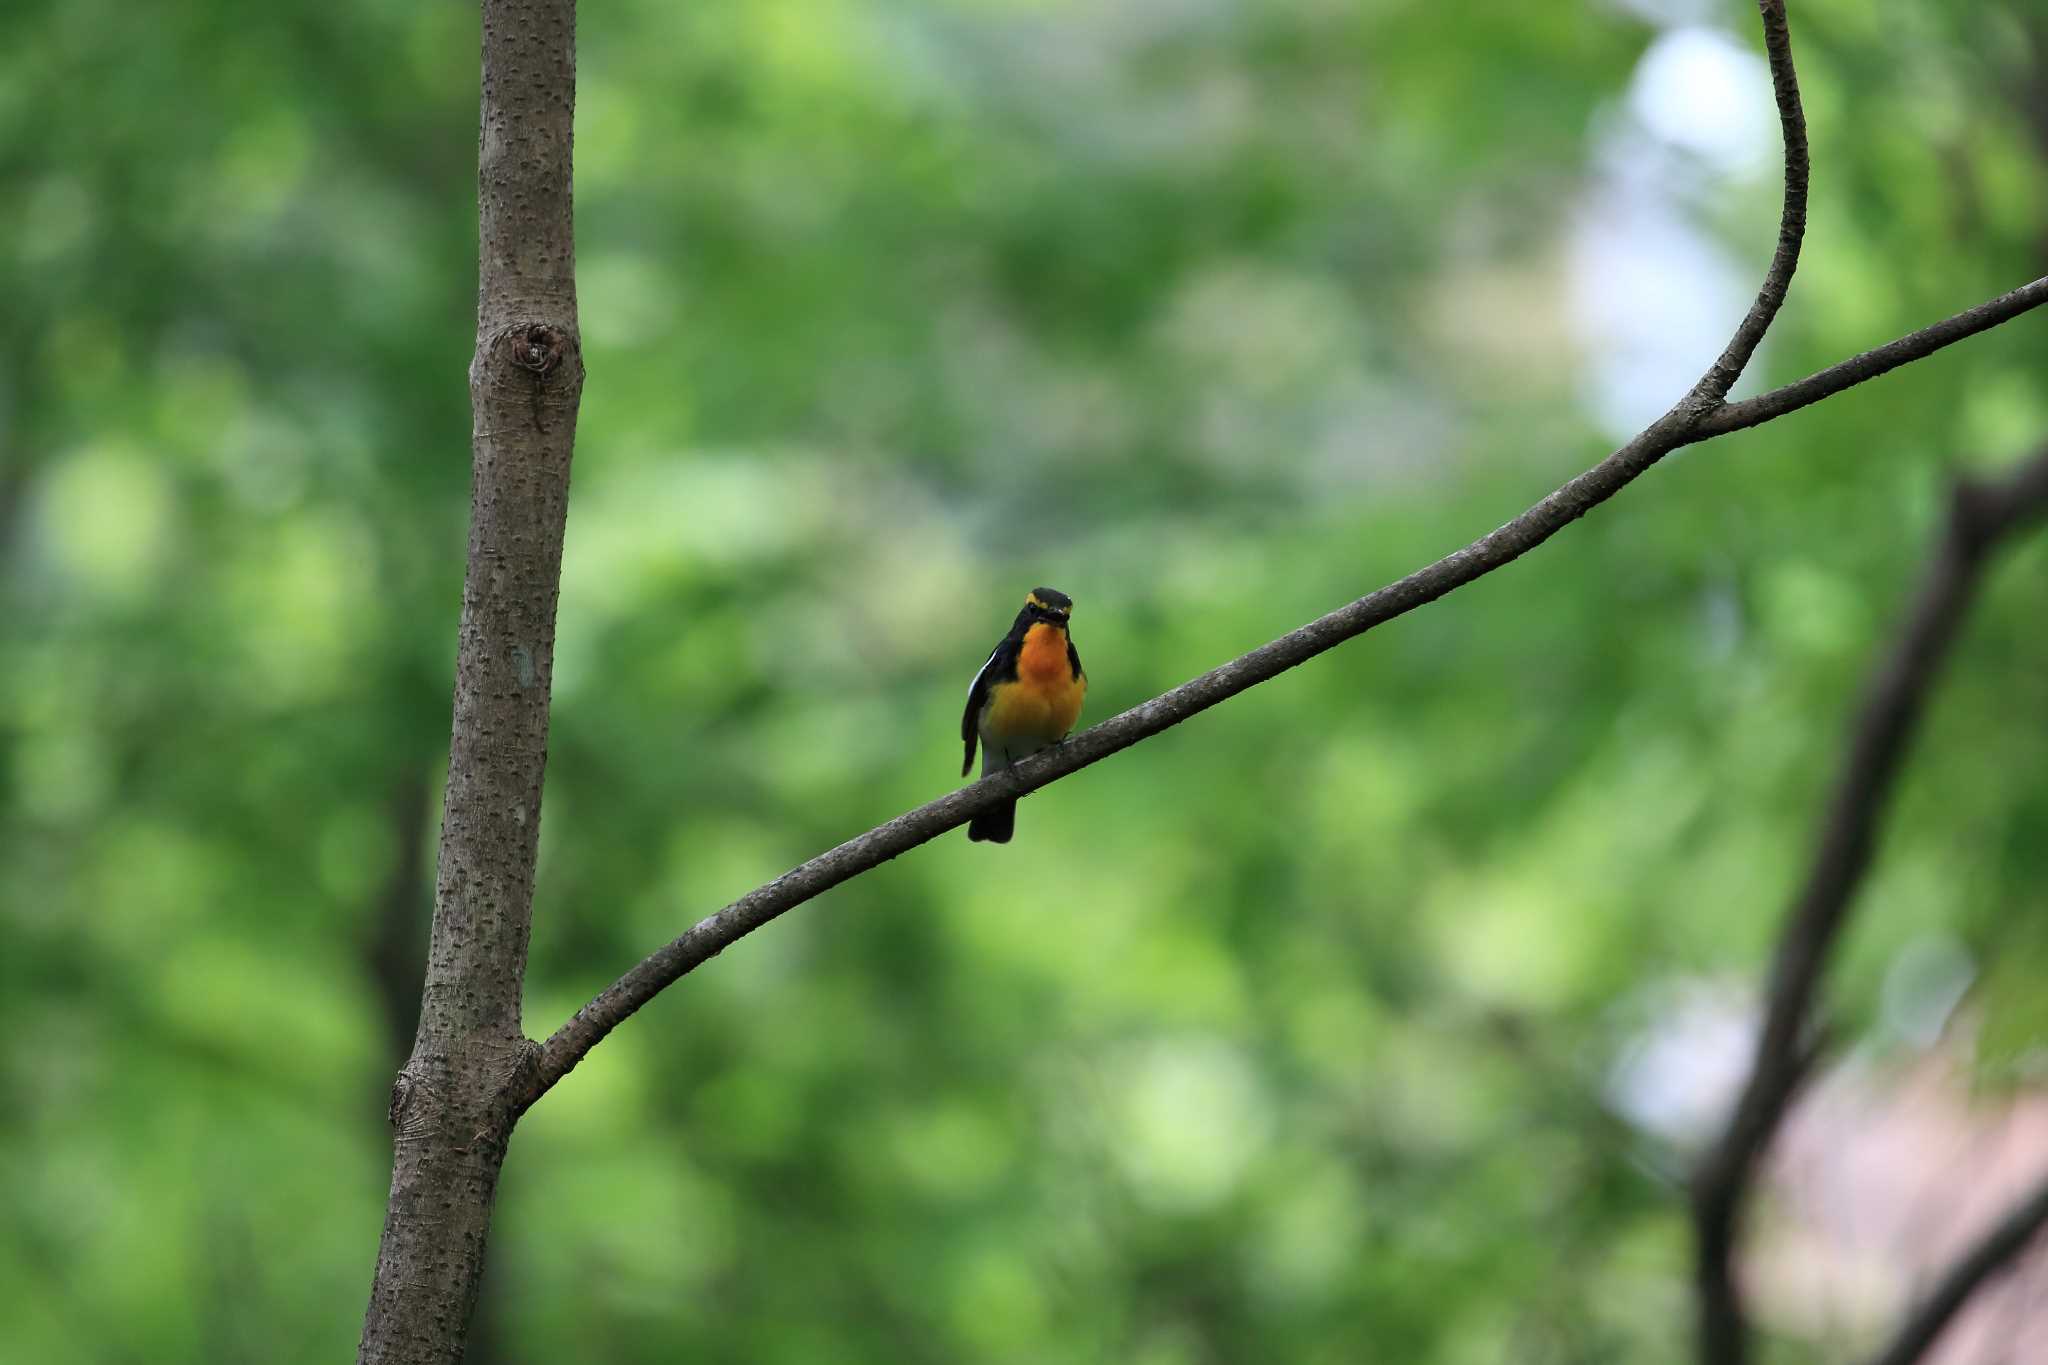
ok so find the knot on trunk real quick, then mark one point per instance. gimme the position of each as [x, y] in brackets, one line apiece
[410, 1112]
[537, 348]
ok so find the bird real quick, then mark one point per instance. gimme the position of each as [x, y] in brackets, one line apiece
[1026, 697]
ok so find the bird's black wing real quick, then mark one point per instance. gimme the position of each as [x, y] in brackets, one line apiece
[1002, 660]
[1073, 656]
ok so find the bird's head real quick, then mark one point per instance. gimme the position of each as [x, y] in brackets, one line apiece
[1049, 605]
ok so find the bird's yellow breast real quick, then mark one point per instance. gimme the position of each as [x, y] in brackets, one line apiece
[1045, 700]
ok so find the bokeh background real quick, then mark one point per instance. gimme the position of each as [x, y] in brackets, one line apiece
[1372, 1017]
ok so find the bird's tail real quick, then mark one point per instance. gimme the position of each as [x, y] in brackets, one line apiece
[994, 826]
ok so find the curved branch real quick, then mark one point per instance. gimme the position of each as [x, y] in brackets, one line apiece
[1997, 1250]
[1685, 424]
[1728, 366]
[1980, 516]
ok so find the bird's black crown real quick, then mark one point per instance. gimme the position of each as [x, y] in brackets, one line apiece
[1049, 602]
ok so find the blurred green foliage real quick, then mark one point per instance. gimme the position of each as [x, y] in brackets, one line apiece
[1288, 1035]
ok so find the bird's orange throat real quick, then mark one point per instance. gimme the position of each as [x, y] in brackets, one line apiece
[1043, 657]
[1041, 706]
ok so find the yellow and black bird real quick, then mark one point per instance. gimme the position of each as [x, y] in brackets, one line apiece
[1027, 696]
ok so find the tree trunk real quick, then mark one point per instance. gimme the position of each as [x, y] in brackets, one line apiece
[452, 1106]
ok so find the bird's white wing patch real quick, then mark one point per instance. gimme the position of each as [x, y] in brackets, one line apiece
[976, 684]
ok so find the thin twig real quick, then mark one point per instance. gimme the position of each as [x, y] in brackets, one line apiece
[1728, 366]
[1683, 425]
[1999, 1247]
[1980, 516]
[1750, 412]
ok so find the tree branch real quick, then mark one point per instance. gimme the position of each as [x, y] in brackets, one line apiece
[1999, 1247]
[1685, 424]
[1980, 516]
[1751, 412]
[450, 1109]
[1728, 366]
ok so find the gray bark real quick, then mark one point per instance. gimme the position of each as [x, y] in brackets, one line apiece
[452, 1109]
